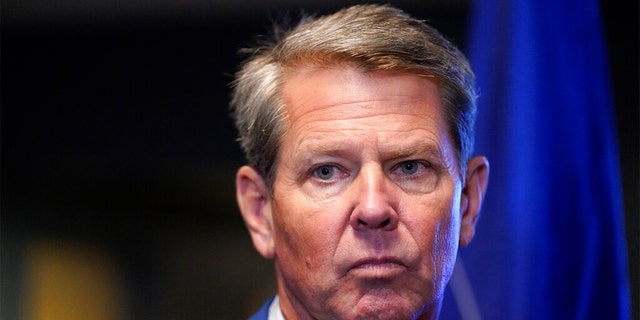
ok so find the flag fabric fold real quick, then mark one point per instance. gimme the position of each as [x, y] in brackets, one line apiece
[550, 242]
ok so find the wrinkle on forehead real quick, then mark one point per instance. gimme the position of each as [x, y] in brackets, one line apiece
[367, 83]
[353, 103]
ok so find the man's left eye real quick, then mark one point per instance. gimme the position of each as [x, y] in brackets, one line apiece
[325, 172]
[416, 176]
[410, 167]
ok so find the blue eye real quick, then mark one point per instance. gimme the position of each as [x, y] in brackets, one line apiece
[415, 176]
[325, 172]
[409, 167]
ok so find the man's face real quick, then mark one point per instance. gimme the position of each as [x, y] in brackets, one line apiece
[365, 216]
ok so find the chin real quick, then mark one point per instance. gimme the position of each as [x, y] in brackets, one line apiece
[384, 314]
[385, 307]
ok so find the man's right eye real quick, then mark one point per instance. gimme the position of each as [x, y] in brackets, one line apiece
[325, 172]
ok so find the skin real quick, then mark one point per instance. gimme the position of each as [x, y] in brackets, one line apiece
[369, 207]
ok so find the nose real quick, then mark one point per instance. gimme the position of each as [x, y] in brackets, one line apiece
[374, 201]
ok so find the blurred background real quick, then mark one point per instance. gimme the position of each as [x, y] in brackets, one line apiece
[119, 155]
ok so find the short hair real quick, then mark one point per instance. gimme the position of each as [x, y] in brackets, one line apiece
[370, 37]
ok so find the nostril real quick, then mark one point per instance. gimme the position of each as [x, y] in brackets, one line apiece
[384, 223]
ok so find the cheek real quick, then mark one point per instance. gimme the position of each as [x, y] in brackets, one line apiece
[446, 237]
[436, 226]
[303, 232]
[443, 254]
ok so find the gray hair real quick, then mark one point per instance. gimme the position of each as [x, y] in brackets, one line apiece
[370, 37]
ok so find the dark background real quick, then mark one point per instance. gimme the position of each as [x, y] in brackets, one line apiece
[116, 132]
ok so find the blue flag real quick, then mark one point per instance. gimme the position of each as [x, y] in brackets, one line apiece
[550, 242]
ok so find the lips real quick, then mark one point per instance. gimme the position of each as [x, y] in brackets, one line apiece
[378, 267]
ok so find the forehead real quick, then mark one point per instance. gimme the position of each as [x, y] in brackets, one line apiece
[337, 92]
[341, 108]
[333, 77]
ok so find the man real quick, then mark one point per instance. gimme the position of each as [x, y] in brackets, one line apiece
[360, 185]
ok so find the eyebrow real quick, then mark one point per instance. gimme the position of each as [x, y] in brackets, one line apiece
[332, 148]
[342, 148]
[422, 148]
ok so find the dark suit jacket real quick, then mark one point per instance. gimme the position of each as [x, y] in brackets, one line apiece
[263, 313]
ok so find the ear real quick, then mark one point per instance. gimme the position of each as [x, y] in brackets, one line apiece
[254, 202]
[472, 195]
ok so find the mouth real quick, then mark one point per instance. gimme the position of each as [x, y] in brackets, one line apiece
[378, 267]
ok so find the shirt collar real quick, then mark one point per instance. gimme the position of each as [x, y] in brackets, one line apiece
[275, 313]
